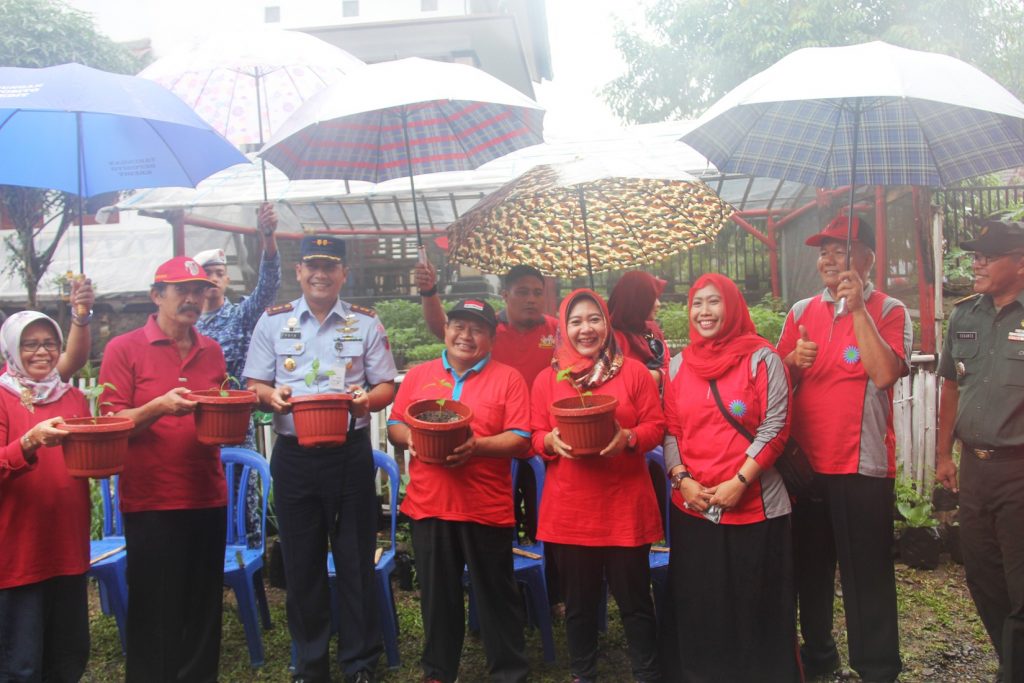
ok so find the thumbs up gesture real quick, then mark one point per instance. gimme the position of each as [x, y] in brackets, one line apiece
[806, 350]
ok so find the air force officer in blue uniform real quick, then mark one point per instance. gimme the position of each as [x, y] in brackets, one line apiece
[325, 492]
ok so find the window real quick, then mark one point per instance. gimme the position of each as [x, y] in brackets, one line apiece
[350, 8]
[271, 15]
[428, 5]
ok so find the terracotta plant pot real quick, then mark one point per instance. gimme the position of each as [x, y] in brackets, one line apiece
[321, 419]
[435, 441]
[587, 427]
[96, 447]
[222, 419]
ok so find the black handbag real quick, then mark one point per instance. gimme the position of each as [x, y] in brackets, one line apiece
[792, 464]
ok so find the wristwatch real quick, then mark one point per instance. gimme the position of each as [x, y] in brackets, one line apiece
[83, 320]
[678, 477]
[743, 480]
[428, 292]
[631, 439]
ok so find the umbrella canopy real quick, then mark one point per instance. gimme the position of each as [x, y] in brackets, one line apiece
[87, 132]
[404, 118]
[870, 114]
[583, 217]
[246, 84]
[456, 118]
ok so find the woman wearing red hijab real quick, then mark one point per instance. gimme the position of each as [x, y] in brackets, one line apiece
[730, 571]
[633, 305]
[599, 515]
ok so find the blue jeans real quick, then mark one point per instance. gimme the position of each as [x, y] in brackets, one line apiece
[44, 631]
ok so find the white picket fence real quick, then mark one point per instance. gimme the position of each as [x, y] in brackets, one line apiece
[915, 418]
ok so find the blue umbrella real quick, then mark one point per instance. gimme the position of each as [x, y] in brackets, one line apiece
[87, 132]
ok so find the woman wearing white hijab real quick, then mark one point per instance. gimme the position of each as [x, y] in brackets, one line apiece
[44, 512]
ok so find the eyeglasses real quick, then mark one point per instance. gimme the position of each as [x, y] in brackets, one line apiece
[985, 259]
[34, 346]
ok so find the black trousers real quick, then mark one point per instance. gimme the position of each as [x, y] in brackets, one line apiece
[732, 590]
[44, 631]
[175, 594]
[321, 494]
[582, 571]
[992, 536]
[849, 520]
[442, 549]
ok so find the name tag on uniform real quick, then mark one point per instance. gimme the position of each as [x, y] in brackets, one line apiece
[1016, 335]
[336, 382]
[966, 335]
[288, 334]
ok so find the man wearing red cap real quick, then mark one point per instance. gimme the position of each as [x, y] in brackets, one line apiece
[843, 365]
[173, 494]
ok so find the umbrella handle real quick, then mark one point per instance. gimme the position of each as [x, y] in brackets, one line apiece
[421, 251]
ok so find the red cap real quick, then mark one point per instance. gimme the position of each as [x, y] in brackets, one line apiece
[836, 230]
[180, 269]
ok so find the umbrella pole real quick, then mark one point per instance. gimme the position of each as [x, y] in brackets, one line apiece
[841, 306]
[81, 170]
[586, 232]
[259, 126]
[412, 183]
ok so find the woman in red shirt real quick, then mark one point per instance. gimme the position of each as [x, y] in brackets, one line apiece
[730, 571]
[44, 513]
[633, 305]
[599, 515]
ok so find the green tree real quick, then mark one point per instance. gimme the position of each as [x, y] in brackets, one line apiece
[39, 33]
[691, 52]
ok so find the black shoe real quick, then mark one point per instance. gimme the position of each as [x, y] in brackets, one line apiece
[818, 669]
[361, 677]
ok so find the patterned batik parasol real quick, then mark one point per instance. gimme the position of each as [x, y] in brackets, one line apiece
[578, 218]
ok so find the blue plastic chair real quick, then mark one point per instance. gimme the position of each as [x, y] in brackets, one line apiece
[243, 566]
[111, 572]
[385, 567]
[529, 573]
[659, 559]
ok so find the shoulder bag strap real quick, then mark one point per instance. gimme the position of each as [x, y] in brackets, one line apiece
[728, 417]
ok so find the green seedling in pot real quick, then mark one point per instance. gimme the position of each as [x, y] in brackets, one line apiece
[566, 376]
[93, 394]
[226, 383]
[440, 383]
[313, 376]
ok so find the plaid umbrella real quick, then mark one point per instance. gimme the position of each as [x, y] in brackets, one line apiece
[870, 114]
[580, 218]
[404, 118]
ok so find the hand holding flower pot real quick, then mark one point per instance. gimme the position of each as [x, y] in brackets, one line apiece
[587, 423]
[320, 419]
[222, 415]
[439, 428]
[96, 446]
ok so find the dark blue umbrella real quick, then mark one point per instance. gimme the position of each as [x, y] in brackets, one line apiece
[87, 132]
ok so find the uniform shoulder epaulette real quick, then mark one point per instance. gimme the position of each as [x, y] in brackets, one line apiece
[969, 297]
[364, 310]
[279, 308]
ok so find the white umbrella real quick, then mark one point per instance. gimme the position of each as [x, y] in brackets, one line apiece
[246, 84]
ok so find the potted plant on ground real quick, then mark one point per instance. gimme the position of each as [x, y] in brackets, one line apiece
[585, 422]
[96, 446]
[438, 426]
[320, 419]
[919, 542]
[222, 416]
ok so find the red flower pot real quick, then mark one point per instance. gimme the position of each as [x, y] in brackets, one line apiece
[222, 419]
[321, 419]
[96, 447]
[435, 441]
[588, 426]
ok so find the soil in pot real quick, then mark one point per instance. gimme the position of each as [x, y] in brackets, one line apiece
[588, 425]
[222, 419]
[96, 446]
[920, 547]
[321, 419]
[434, 432]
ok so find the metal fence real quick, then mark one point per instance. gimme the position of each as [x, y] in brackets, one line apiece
[960, 204]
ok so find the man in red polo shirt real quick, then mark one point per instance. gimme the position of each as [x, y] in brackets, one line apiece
[462, 511]
[173, 493]
[525, 337]
[843, 367]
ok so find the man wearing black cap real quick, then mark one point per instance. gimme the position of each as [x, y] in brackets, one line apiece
[325, 492]
[843, 367]
[982, 405]
[462, 510]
